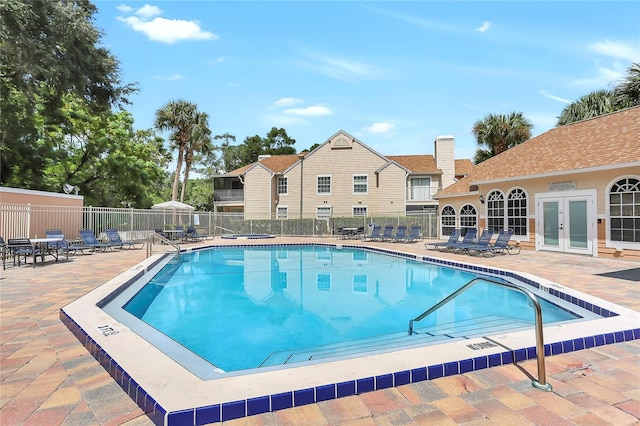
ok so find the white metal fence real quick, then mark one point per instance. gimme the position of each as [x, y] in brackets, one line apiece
[20, 221]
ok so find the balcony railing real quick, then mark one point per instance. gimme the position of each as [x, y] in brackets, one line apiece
[228, 195]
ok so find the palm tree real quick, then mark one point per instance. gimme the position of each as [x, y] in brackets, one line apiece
[499, 132]
[199, 142]
[178, 117]
[628, 91]
[591, 105]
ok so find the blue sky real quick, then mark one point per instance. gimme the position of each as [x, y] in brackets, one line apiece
[393, 74]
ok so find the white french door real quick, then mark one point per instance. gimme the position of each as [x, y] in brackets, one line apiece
[566, 222]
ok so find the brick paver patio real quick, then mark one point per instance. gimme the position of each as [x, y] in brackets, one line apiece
[48, 378]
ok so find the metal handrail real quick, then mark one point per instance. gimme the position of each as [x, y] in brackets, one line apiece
[165, 240]
[224, 229]
[541, 383]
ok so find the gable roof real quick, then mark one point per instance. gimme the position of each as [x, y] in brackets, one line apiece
[416, 163]
[463, 167]
[608, 140]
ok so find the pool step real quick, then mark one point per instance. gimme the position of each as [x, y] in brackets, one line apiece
[400, 340]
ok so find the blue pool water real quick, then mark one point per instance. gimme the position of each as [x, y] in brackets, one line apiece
[244, 307]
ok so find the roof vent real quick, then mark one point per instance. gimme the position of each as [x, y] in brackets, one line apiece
[263, 156]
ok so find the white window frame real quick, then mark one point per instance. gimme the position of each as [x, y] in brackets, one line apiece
[360, 207]
[614, 243]
[428, 197]
[442, 216]
[508, 217]
[358, 184]
[323, 216]
[279, 216]
[468, 220]
[496, 196]
[286, 185]
[318, 184]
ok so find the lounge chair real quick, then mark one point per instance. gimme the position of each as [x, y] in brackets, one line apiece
[483, 241]
[414, 234]
[453, 239]
[375, 233]
[89, 239]
[501, 245]
[116, 241]
[387, 233]
[64, 246]
[467, 240]
[400, 235]
[3, 252]
[193, 235]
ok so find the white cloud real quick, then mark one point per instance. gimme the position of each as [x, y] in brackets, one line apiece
[379, 128]
[340, 68]
[168, 30]
[555, 98]
[217, 61]
[485, 26]
[603, 78]
[124, 8]
[172, 77]
[287, 102]
[616, 50]
[147, 11]
[310, 111]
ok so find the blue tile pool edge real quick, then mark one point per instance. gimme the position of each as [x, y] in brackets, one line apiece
[242, 408]
[252, 406]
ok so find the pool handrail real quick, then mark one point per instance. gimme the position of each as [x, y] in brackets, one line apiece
[224, 229]
[154, 235]
[541, 383]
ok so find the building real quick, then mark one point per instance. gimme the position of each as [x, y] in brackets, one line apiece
[343, 177]
[574, 189]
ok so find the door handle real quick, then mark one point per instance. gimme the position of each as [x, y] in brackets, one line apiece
[561, 228]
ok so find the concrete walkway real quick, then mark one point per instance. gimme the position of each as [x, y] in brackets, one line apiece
[48, 378]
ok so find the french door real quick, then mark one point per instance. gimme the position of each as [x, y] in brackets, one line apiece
[566, 223]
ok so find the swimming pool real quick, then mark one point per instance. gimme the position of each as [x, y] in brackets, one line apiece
[171, 394]
[273, 306]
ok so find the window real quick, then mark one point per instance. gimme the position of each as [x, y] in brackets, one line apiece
[421, 189]
[282, 280]
[282, 213]
[323, 212]
[360, 211]
[468, 218]
[282, 185]
[624, 210]
[448, 220]
[360, 283]
[323, 282]
[517, 212]
[360, 184]
[495, 211]
[324, 184]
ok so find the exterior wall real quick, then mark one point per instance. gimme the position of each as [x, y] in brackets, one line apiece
[391, 190]
[341, 159]
[260, 198]
[599, 181]
[39, 198]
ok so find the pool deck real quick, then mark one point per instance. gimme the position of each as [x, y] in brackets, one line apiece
[49, 378]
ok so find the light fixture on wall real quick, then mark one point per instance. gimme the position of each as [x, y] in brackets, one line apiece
[481, 199]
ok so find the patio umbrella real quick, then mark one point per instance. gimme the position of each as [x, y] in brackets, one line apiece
[174, 206]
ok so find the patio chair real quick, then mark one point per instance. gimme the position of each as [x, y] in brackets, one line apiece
[453, 239]
[179, 234]
[483, 241]
[64, 246]
[89, 239]
[387, 233]
[375, 233]
[21, 248]
[400, 235]
[3, 252]
[193, 235]
[501, 245]
[115, 240]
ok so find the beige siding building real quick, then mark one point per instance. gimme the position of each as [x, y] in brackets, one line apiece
[343, 177]
[573, 189]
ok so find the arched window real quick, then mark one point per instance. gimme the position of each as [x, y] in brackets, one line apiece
[468, 218]
[495, 210]
[448, 218]
[624, 210]
[517, 212]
